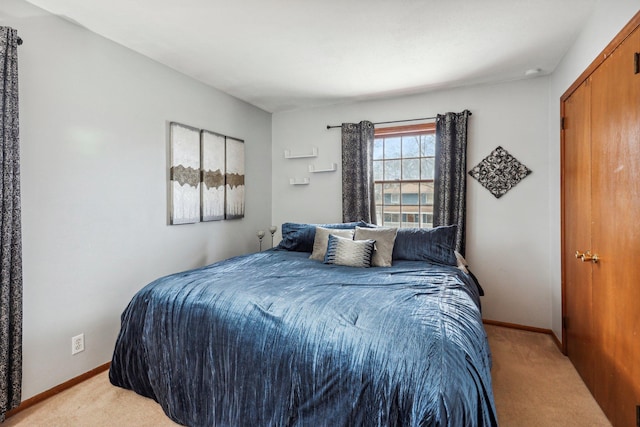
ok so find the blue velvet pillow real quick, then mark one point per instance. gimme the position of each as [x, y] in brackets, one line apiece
[419, 244]
[299, 237]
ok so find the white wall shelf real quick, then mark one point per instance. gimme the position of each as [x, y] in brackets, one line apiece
[299, 181]
[332, 168]
[289, 155]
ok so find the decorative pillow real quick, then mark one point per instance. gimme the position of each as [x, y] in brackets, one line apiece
[299, 237]
[385, 238]
[421, 244]
[322, 240]
[352, 253]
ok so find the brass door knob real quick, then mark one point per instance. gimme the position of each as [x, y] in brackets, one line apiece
[588, 256]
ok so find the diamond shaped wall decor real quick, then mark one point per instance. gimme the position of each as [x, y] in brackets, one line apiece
[499, 172]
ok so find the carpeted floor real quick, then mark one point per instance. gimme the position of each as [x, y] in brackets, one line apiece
[534, 385]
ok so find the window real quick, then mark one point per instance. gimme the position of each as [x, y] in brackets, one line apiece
[403, 167]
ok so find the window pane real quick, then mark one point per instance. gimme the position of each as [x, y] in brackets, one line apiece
[426, 193]
[428, 144]
[426, 167]
[426, 220]
[378, 146]
[391, 219]
[410, 193]
[391, 194]
[410, 218]
[392, 148]
[391, 170]
[411, 169]
[378, 169]
[426, 216]
[411, 146]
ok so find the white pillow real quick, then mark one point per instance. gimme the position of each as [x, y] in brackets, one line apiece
[385, 238]
[322, 239]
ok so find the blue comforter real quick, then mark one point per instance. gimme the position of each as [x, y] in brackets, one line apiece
[276, 339]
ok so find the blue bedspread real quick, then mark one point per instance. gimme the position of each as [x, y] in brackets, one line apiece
[276, 339]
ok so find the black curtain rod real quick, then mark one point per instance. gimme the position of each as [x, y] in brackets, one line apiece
[393, 121]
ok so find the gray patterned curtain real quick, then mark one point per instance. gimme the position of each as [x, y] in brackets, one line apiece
[450, 176]
[10, 228]
[358, 198]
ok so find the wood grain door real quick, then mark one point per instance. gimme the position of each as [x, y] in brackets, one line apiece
[576, 224]
[615, 187]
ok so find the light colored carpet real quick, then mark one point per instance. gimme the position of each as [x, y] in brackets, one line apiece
[534, 385]
[93, 403]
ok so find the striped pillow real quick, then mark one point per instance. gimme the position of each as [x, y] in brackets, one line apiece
[322, 240]
[352, 253]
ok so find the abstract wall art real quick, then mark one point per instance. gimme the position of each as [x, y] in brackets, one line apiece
[206, 175]
[184, 174]
[234, 178]
[213, 176]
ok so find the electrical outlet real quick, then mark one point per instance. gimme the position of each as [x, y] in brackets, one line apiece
[77, 344]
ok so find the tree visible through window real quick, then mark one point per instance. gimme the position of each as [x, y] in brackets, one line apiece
[403, 166]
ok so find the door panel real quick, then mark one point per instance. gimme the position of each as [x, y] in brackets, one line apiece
[576, 218]
[615, 150]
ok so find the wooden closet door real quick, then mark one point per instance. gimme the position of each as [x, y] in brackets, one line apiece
[576, 222]
[615, 152]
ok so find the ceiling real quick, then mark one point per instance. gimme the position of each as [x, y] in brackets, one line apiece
[283, 55]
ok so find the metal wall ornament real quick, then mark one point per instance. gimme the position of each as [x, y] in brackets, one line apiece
[206, 176]
[499, 172]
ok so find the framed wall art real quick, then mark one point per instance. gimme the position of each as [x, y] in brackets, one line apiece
[184, 174]
[206, 175]
[234, 178]
[213, 176]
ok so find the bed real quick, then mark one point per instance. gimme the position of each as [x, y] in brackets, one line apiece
[277, 338]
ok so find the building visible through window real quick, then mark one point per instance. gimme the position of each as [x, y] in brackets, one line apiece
[403, 167]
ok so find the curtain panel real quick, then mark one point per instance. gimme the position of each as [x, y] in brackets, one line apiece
[450, 176]
[358, 198]
[10, 228]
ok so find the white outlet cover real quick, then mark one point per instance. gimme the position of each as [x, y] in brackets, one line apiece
[77, 344]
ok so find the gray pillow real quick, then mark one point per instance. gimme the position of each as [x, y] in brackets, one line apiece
[352, 253]
[321, 240]
[385, 238]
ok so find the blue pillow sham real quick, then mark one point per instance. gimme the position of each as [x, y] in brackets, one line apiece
[299, 237]
[422, 244]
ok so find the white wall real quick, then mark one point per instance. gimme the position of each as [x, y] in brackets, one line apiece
[507, 238]
[94, 186]
[607, 19]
